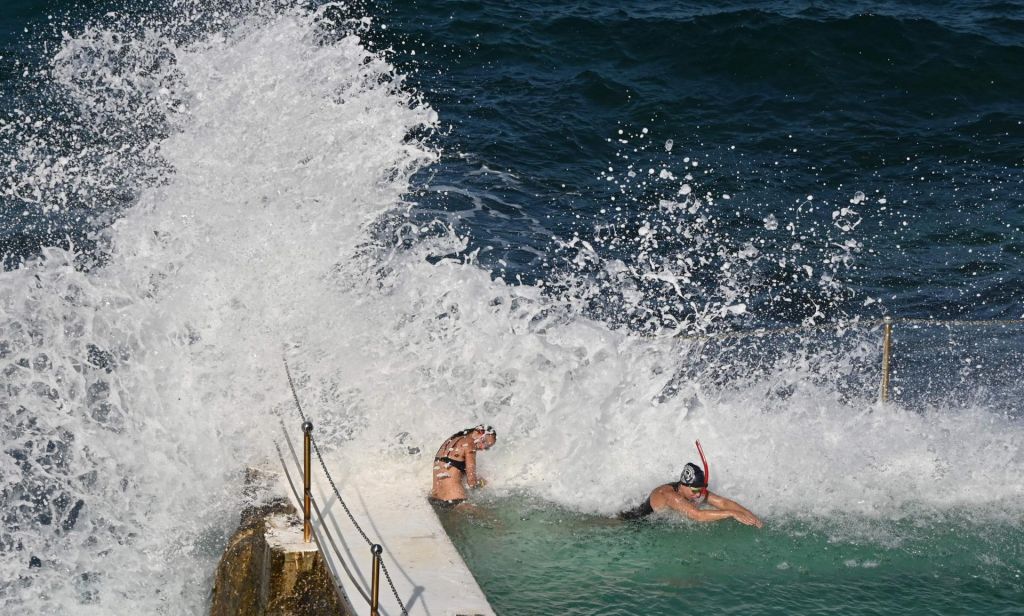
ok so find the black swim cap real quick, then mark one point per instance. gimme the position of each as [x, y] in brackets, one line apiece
[693, 476]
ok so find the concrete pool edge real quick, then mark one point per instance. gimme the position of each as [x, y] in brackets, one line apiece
[429, 575]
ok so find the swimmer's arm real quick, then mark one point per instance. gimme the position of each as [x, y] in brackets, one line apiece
[743, 514]
[721, 502]
[471, 477]
[697, 514]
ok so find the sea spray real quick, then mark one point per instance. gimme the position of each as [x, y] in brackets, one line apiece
[141, 374]
[266, 215]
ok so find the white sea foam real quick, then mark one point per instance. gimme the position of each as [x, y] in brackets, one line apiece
[136, 393]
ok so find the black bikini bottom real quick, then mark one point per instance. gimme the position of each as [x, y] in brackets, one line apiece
[441, 503]
[637, 513]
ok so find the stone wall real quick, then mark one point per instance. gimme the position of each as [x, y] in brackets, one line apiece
[267, 570]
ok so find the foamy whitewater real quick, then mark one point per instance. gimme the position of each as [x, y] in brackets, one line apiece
[269, 162]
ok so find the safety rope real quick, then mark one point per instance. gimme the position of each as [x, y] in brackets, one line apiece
[776, 331]
[337, 494]
[984, 322]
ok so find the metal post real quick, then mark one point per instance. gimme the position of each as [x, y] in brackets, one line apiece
[375, 583]
[886, 351]
[307, 440]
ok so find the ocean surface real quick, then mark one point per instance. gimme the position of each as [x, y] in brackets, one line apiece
[607, 229]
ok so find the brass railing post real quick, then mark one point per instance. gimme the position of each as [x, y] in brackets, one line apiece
[307, 441]
[375, 582]
[886, 351]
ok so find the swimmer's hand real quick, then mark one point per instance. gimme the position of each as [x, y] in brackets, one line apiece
[747, 518]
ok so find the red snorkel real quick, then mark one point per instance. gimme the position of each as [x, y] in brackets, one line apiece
[707, 472]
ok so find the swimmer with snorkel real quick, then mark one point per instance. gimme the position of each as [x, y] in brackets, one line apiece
[686, 495]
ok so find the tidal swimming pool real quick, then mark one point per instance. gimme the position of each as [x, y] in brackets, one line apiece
[534, 558]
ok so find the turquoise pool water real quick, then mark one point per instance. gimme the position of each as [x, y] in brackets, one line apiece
[536, 559]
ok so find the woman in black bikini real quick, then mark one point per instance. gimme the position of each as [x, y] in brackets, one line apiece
[455, 461]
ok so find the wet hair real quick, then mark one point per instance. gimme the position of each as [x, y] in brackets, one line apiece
[693, 476]
[487, 430]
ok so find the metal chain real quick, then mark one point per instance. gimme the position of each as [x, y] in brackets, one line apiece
[334, 487]
[291, 384]
[337, 493]
[387, 576]
[316, 510]
[769, 331]
[359, 528]
[960, 321]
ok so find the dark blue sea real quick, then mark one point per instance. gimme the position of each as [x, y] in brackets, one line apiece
[607, 228]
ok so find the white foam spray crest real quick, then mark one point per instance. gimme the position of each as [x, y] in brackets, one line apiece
[137, 392]
[580, 422]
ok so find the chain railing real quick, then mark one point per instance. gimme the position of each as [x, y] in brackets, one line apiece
[887, 323]
[887, 338]
[310, 507]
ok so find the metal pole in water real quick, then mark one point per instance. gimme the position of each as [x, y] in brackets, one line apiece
[307, 440]
[375, 582]
[886, 351]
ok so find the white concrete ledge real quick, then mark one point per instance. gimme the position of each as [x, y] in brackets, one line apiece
[429, 574]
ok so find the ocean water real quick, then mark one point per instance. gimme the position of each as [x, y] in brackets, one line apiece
[607, 229]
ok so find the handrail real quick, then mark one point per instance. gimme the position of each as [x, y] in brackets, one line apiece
[376, 549]
[307, 496]
[772, 331]
[886, 322]
[887, 339]
[335, 577]
[319, 515]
